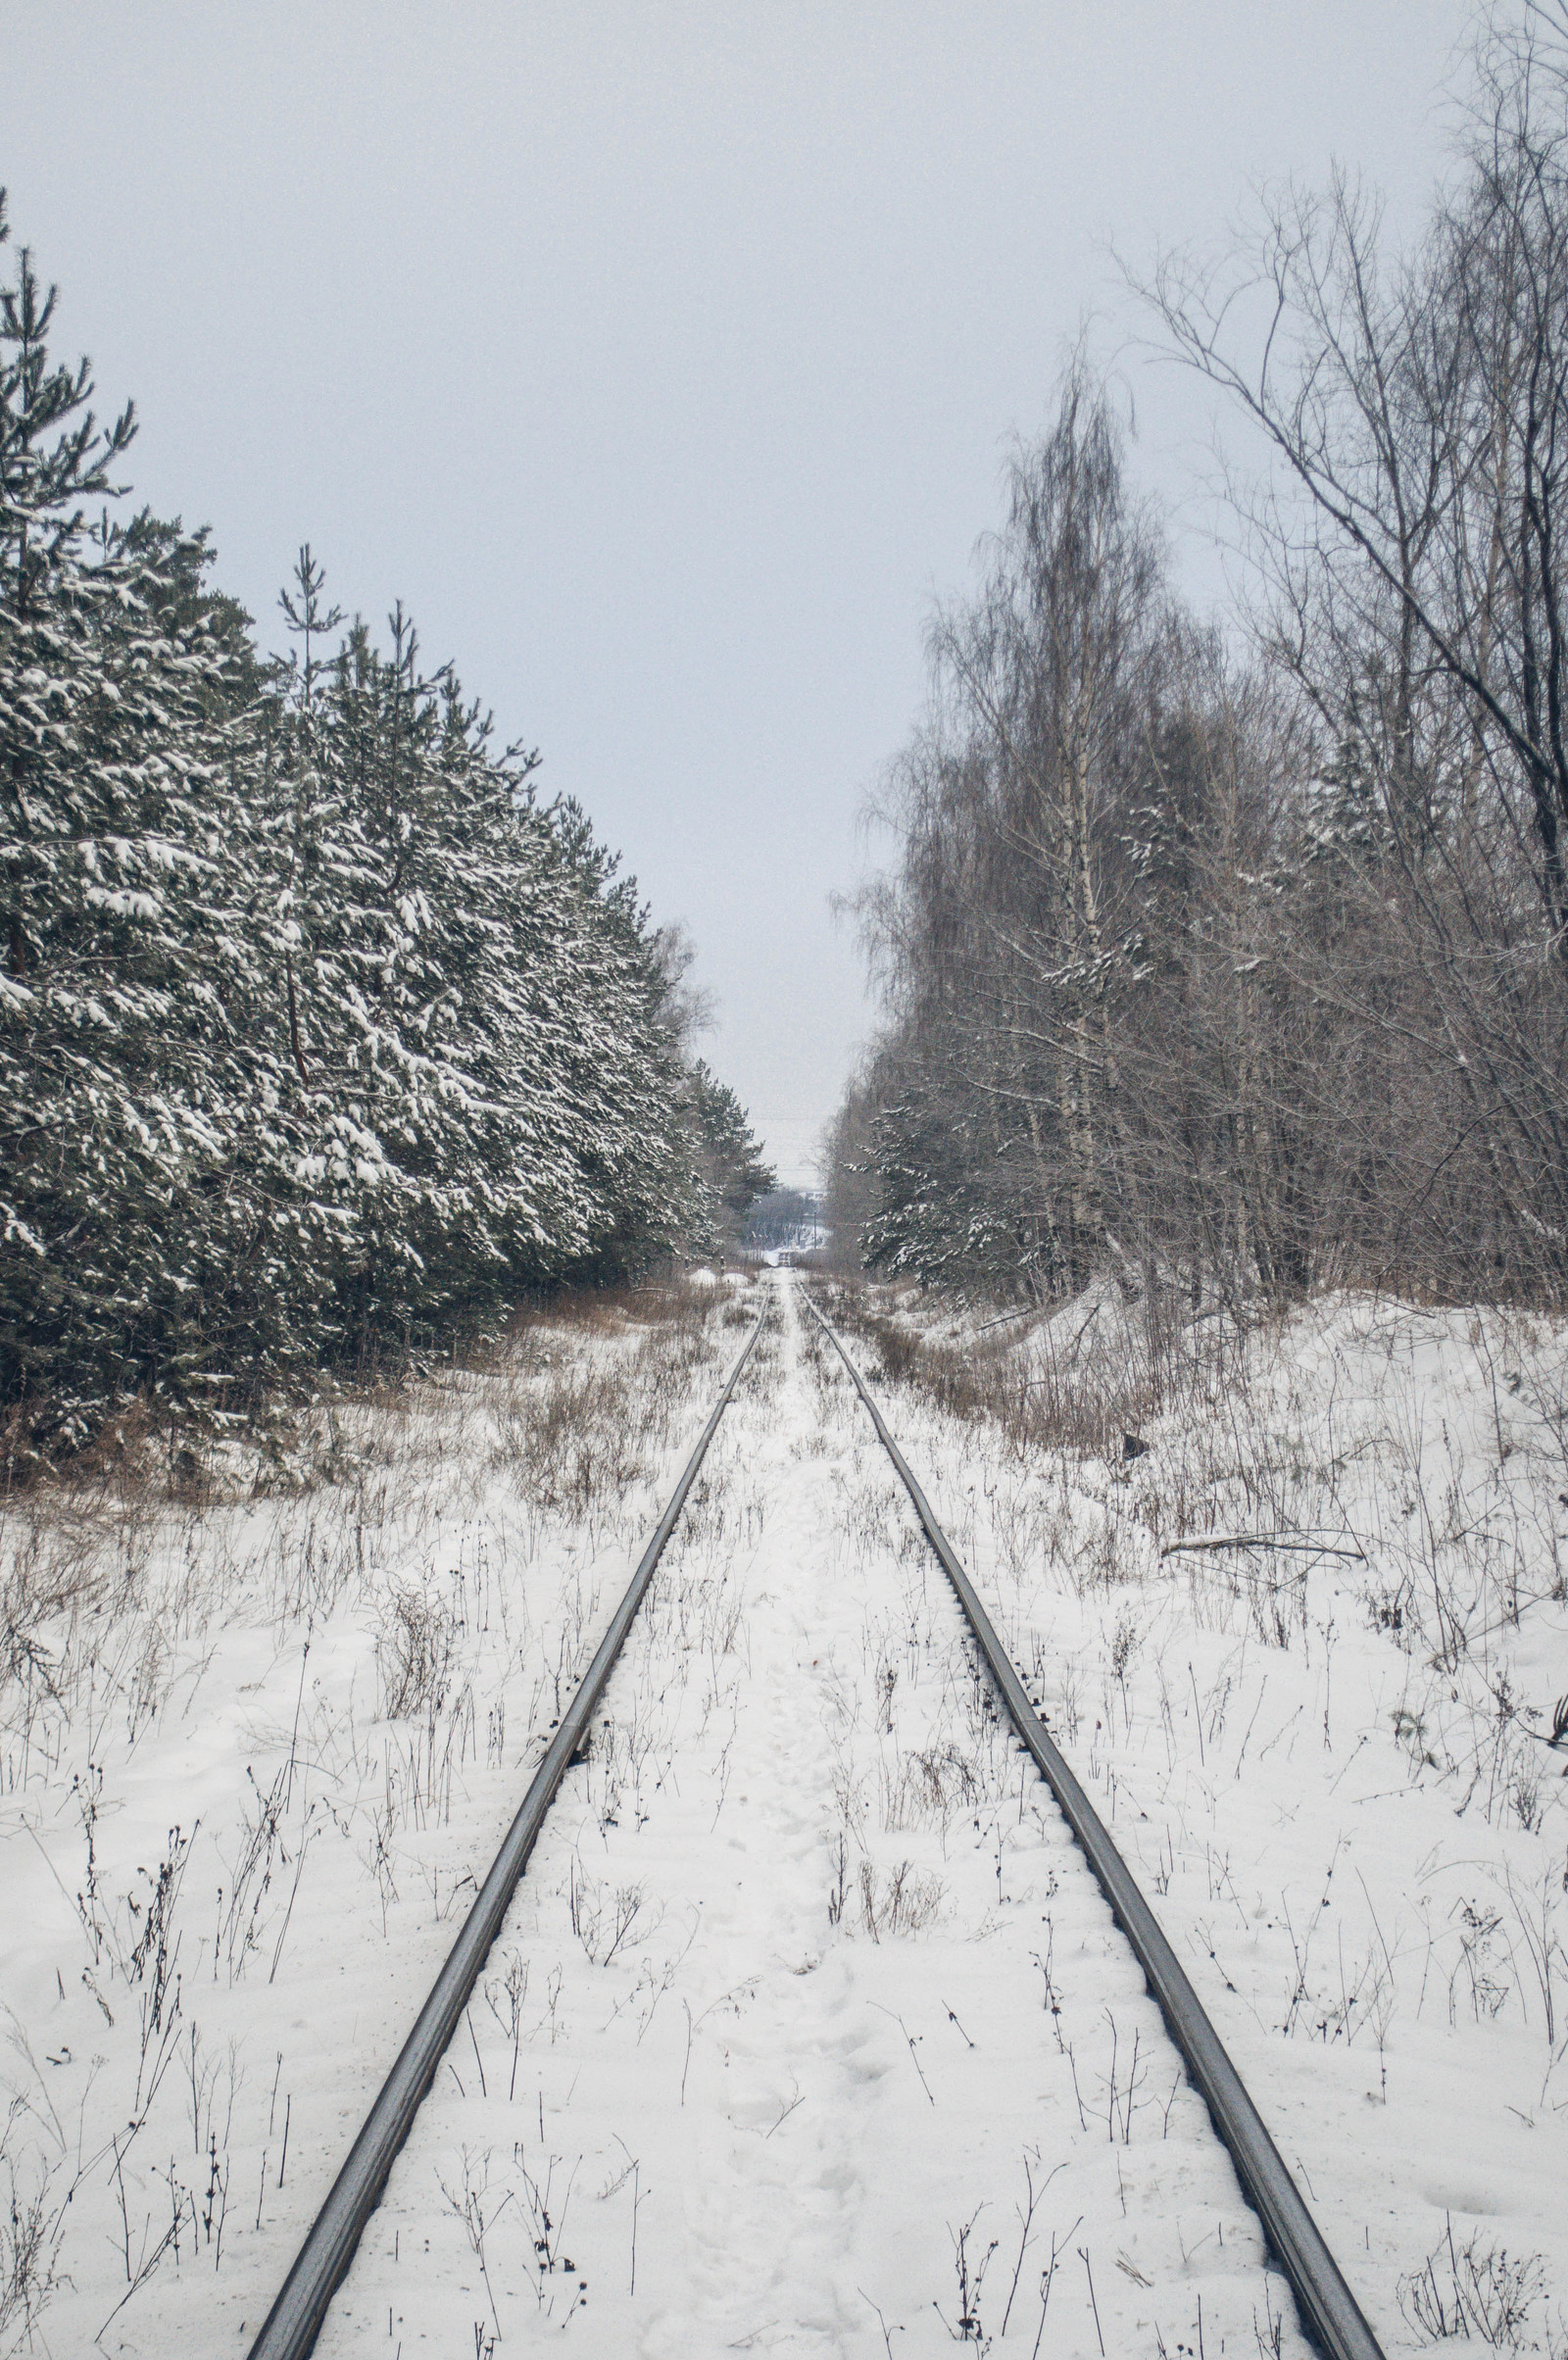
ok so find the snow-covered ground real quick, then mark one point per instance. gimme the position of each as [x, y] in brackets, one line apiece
[1323, 1748]
[253, 1758]
[815, 2000]
[809, 2030]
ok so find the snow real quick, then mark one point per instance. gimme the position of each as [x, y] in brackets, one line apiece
[801, 2113]
[205, 1712]
[1329, 1774]
[807, 1997]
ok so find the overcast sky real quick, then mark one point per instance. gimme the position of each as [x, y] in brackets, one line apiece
[662, 358]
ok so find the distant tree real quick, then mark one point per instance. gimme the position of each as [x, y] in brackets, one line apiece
[1411, 587]
[781, 1216]
[1092, 1060]
[849, 1194]
[1228, 973]
[729, 1158]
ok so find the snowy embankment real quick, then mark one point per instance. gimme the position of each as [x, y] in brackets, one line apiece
[808, 2029]
[254, 1753]
[1324, 1743]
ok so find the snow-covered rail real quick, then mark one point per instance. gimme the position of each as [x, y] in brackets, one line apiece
[803, 2023]
[1329, 2310]
[294, 2322]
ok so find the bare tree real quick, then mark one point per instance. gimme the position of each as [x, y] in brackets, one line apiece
[1233, 974]
[1408, 547]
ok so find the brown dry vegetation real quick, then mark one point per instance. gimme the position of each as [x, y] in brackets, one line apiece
[567, 1438]
[1095, 1372]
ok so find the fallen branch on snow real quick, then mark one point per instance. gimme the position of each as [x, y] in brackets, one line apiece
[1302, 1548]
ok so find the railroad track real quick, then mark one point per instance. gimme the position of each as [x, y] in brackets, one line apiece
[1330, 2315]
[294, 2322]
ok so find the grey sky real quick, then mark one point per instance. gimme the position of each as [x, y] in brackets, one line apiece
[661, 358]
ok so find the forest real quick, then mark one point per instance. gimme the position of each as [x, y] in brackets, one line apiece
[320, 1029]
[1233, 955]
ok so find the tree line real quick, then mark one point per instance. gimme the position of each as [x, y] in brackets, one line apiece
[320, 1029]
[1241, 958]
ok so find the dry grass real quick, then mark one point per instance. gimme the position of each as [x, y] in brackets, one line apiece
[1366, 1460]
[413, 1655]
[113, 1570]
[902, 1900]
[413, 1508]
[1093, 1372]
[1484, 2296]
[929, 1787]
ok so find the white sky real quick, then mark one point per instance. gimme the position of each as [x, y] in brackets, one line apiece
[661, 358]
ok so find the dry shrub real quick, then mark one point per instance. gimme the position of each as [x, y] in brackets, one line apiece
[136, 1452]
[930, 1787]
[903, 1903]
[611, 1311]
[66, 1548]
[413, 1655]
[566, 1440]
[32, 2220]
[603, 1919]
[1461, 2292]
[574, 1436]
[1080, 1379]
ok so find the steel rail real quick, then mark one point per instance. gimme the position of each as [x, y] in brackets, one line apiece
[1329, 2310]
[295, 2318]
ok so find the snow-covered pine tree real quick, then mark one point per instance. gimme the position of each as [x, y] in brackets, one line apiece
[315, 1026]
[118, 694]
[622, 1072]
[483, 1095]
[729, 1158]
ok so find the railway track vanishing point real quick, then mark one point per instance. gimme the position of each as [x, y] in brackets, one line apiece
[1328, 2311]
